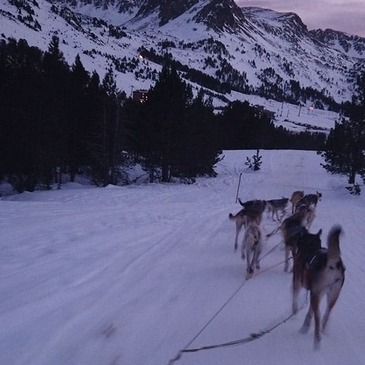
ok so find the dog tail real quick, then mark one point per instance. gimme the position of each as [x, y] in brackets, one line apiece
[240, 201]
[333, 242]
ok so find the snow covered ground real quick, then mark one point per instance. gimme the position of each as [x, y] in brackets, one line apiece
[132, 275]
[294, 117]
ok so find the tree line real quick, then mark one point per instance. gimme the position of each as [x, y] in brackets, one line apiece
[56, 119]
[60, 120]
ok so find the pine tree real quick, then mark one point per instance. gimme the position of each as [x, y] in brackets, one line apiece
[201, 143]
[163, 119]
[106, 139]
[175, 134]
[21, 92]
[255, 162]
[77, 121]
[344, 151]
[53, 124]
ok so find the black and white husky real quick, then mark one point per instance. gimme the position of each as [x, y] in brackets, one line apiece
[251, 248]
[274, 206]
[321, 271]
[292, 228]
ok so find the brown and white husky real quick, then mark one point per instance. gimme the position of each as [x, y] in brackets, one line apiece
[321, 271]
[295, 197]
[251, 213]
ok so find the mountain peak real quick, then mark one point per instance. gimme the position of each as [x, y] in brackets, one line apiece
[221, 15]
[166, 9]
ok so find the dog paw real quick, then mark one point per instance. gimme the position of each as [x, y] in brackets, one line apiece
[317, 343]
[304, 329]
[249, 273]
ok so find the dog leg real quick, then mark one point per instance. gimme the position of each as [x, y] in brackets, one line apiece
[315, 300]
[257, 256]
[249, 270]
[283, 212]
[332, 297]
[295, 302]
[296, 287]
[238, 228]
[307, 321]
[287, 252]
[243, 250]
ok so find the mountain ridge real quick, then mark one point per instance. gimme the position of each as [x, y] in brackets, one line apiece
[254, 50]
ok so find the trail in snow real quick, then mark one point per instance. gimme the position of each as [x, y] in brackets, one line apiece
[130, 275]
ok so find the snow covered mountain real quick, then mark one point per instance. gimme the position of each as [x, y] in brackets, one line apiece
[217, 45]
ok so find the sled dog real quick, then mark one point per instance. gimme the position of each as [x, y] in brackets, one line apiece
[243, 218]
[295, 197]
[251, 213]
[309, 199]
[251, 248]
[275, 206]
[256, 205]
[320, 271]
[292, 228]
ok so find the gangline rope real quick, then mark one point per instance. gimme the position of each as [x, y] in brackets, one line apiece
[251, 337]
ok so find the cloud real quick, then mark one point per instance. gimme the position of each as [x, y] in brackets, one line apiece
[346, 16]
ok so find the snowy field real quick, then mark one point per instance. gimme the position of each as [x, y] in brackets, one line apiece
[132, 275]
[294, 117]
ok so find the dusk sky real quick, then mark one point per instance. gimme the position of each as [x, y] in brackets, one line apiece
[343, 15]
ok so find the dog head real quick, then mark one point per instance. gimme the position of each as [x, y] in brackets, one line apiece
[309, 242]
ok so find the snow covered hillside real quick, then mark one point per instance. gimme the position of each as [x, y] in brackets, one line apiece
[132, 275]
[252, 50]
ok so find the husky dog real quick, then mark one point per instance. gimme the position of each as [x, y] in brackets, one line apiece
[295, 197]
[243, 218]
[308, 245]
[251, 248]
[321, 271]
[254, 205]
[276, 205]
[251, 212]
[311, 214]
[292, 228]
[309, 199]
